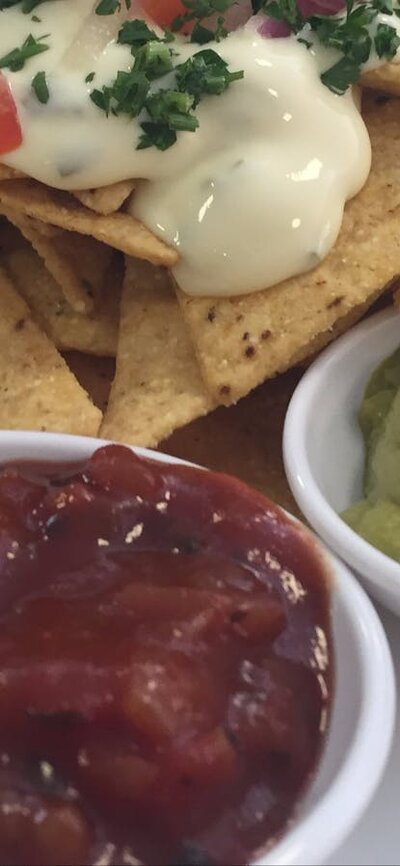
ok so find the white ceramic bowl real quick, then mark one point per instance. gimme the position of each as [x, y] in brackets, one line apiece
[364, 705]
[324, 450]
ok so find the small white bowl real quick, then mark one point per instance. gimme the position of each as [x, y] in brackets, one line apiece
[363, 711]
[324, 450]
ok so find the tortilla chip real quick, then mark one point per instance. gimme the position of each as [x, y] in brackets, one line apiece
[37, 390]
[95, 332]
[107, 199]
[386, 78]
[396, 297]
[244, 440]
[157, 387]
[94, 374]
[119, 230]
[10, 238]
[76, 262]
[242, 341]
[7, 173]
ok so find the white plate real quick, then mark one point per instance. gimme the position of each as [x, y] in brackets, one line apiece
[376, 839]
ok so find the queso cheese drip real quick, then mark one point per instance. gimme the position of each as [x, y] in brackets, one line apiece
[253, 196]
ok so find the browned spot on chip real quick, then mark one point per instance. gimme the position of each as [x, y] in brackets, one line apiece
[335, 302]
[158, 386]
[297, 312]
[119, 230]
[37, 390]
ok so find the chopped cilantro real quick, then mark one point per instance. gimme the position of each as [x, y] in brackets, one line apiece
[156, 135]
[287, 11]
[205, 72]
[198, 11]
[340, 76]
[16, 59]
[387, 41]
[352, 33]
[40, 87]
[168, 110]
[108, 7]
[136, 34]
[27, 6]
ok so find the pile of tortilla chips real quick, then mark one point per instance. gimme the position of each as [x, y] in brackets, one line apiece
[78, 274]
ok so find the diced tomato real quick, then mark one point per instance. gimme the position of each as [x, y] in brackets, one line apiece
[10, 130]
[210, 759]
[111, 768]
[162, 12]
[119, 469]
[39, 831]
[168, 694]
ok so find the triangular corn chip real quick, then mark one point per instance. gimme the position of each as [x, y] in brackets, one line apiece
[76, 262]
[157, 387]
[37, 390]
[95, 332]
[386, 78]
[119, 230]
[242, 341]
[107, 199]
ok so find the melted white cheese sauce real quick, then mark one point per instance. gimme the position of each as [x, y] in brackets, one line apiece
[254, 196]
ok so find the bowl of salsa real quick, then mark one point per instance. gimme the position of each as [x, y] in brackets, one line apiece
[186, 676]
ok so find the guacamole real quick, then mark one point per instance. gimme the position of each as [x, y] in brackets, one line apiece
[377, 517]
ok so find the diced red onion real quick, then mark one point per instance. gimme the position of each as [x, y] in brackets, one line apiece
[320, 7]
[271, 28]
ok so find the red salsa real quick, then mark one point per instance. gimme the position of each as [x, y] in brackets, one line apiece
[165, 672]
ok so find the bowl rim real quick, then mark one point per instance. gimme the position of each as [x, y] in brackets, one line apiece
[316, 836]
[320, 834]
[356, 551]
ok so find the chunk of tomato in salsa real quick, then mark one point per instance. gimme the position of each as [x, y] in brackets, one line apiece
[160, 693]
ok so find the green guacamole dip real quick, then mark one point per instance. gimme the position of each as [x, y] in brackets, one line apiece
[377, 517]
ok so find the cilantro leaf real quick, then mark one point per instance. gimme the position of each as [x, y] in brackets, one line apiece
[108, 7]
[386, 41]
[40, 88]
[16, 59]
[340, 76]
